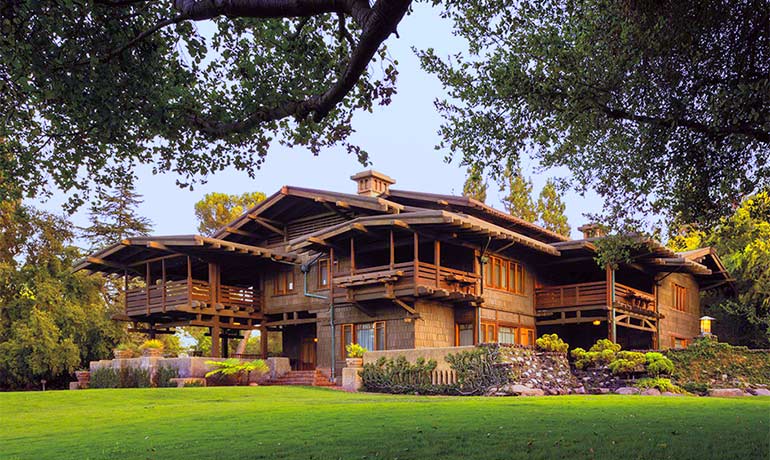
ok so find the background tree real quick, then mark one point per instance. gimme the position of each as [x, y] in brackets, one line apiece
[550, 209]
[188, 86]
[114, 217]
[51, 320]
[660, 107]
[215, 210]
[742, 243]
[518, 199]
[475, 184]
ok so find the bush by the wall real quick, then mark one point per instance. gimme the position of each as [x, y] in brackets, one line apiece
[600, 354]
[105, 377]
[480, 369]
[127, 377]
[388, 375]
[661, 384]
[628, 362]
[552, 342]
[658, 365]
[713, 363]
[163, 376]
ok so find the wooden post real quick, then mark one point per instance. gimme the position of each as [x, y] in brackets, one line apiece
[437, 260]
[148, 282]
[125, 291]
[656, 334]
[416, 259]
[189, 281]
[163, 285]
[213, 285]
[225, 345]
[392, 251]
[611, 330]
[216, 333]
[263, 340]
[352, 257]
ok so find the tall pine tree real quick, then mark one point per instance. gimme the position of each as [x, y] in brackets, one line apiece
[114, 217]
[216, 209]
[475, 185]
[518, 200]
[550, 209]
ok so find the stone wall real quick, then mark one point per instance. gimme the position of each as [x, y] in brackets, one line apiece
[187, 367]
[544, 370]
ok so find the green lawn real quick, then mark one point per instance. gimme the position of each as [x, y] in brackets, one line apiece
[308, 423]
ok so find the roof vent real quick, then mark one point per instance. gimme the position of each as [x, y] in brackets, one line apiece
[372, 183]
[592, 231]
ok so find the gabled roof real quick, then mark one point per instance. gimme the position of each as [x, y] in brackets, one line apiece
[476, 208]
[133, 252]
[464, 228]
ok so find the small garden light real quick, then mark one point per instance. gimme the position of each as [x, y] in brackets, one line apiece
[705, 325]
[596, 322]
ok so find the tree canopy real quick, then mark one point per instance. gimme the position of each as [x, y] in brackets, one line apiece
[215, 210]
[475, 185]
[660, 107]
[114, 217]
[550, 209]
[518, 198]
[90, 89]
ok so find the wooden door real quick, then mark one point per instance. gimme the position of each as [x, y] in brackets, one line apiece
[307, 360]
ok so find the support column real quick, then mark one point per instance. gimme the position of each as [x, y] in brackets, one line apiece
[437, 261]
[216, 336]
[611, 326]
[225, 345]
[263, 341]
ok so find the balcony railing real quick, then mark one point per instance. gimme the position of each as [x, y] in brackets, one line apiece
[175, 295]
[592, 294]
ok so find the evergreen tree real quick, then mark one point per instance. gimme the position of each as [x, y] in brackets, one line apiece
[550, 210]
[216, 210]
[114, 217]
[518, 200]
[475, 185]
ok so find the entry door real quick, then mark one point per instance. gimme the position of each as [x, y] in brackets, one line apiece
[307, 354]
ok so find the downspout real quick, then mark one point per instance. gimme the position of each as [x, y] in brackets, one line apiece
[305, 268]
[482, 263]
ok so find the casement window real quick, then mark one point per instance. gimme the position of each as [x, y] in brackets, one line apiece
[526, 336]
[464, 334]
[371, 336]
[488, 333]
[678, 342]
[504, 274]
[323, 274]
[506, 335]
[283, 282]
[680, 298]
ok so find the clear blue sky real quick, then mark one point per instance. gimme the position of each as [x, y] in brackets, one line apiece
[400, 139]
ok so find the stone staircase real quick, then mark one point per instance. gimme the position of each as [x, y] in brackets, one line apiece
[314, 378]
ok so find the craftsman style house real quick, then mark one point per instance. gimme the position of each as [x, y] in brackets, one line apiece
[392, 269]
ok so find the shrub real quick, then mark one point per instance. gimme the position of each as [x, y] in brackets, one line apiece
[627, 362]
[105, 377]
[661, 384]
[237, 368]
[355, 350]
[697, 388]
[399, 376]
[658, 365]
[480, 369]
[708, 361]
[135, 378]
[600, 354]
[552, 342]
[163, 376]
[152, 344]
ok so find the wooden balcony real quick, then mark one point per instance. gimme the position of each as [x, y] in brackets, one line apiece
[595, 294]
[192, 296]
[406, 279]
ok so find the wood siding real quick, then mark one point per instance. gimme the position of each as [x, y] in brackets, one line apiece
[678, 324]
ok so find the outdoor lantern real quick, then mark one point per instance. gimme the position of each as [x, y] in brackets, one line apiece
[596, 322]
[705, 325]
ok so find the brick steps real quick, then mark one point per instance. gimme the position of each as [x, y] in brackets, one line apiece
[307, 378]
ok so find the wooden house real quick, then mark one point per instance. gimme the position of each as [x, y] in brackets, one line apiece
[392, 269]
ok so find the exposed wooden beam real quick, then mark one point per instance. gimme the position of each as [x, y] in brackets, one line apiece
[267, 225]
[238, 231]
[106, 263]
[406, 307]
[363, 309]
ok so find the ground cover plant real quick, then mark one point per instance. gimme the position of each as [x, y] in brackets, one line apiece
[310, 423]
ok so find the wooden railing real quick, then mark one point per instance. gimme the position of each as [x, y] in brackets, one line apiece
[173, 294]
[426, 275]
[592, 294]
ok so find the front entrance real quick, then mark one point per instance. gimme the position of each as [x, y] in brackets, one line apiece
[307, 354]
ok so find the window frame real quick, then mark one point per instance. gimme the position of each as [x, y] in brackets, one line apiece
[352, 328]
[323, 263]
[505, 275]
[680, 298]
[281, 282]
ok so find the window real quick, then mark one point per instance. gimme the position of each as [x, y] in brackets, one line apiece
[680, 298]
[323, 274]
[506, 334]
[369, 335]
[464, 334]
[284, 282]
[504, 274]
[526, 336]
[488, 333]
[678, 342]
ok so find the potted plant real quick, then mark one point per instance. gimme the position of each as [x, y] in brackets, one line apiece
[123, 351]
[355, 355]
[152, 348]
[84, 378]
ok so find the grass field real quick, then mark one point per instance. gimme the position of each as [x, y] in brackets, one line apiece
[308, 423]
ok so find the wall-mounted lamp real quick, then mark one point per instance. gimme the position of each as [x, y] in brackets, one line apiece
[596, 322]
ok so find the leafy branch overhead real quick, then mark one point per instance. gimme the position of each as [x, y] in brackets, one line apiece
[89, 90]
